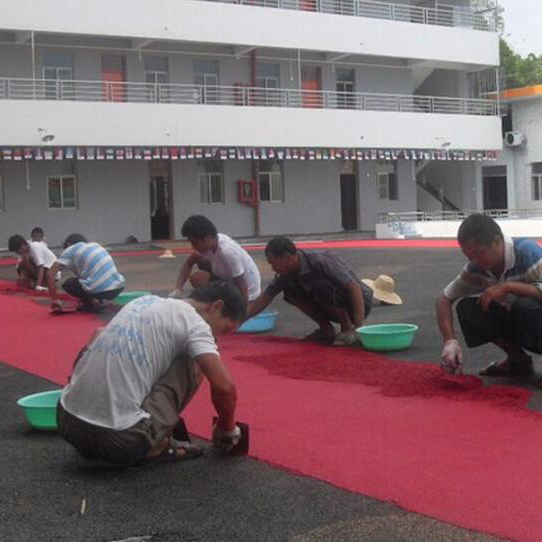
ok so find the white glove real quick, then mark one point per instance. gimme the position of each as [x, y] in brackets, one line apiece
[345, 338]
[175, 294]
[452, 357]
[39, 288]
[226, 439]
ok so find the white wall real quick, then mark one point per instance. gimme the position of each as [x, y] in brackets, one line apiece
[447, 229]
[113, 201]
[89, 123]
[370, 206]
[189, 20]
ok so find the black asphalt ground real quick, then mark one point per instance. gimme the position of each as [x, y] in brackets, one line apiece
[50, 494]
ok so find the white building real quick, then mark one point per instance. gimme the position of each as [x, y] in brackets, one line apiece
[122, 118]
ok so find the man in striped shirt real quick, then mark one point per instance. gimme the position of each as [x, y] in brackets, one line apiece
[500, 292]
[96, 276]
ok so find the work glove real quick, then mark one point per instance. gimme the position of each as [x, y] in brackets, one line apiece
[39, 288]
[345, 338]
[226, 439]
[452, 357]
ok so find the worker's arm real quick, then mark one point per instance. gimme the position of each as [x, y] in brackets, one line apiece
[223, 391]
[357, 302]
[499, 291]
[241, 284]
[445, 317]
[50, 276]
[452, 354]
[184, 273]
[258, 305]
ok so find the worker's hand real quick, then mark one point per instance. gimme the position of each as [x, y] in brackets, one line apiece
[452, 357]
[176, 294]
[226, 439]
[56, 305]
[345, 338]
[494, 293]
[39, 288]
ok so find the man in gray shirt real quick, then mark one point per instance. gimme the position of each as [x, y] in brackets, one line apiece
[320, 284]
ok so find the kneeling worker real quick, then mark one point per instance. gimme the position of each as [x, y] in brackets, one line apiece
[131, 382]
[321, 285]
[500, 293]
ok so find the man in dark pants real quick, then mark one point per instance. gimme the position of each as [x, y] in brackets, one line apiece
[505, 275]
[97, 277]
[321, 285]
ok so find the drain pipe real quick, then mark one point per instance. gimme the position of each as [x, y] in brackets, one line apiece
[255, 163]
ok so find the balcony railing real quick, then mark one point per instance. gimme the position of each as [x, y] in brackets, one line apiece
[431, 216]
[237, 95]
[442, 16]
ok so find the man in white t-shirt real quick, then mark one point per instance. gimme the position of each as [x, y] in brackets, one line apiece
[218, 257]
[136, 375]
[36, 259]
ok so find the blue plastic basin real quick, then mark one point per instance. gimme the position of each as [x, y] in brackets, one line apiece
[382, 337]
[265, 321]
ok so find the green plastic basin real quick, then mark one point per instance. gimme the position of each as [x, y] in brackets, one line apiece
[383, 337]
[125, 297]
[40, 409]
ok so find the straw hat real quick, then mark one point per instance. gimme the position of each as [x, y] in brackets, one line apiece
[384, 289]
[167, 254]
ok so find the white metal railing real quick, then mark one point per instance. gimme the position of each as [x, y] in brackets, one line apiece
[392, 219]
[237, 95]
[454, 16]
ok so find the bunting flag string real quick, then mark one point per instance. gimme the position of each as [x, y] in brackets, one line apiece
[239, 153]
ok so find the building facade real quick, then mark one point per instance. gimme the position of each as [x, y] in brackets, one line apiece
[514, 181]
[268, 116]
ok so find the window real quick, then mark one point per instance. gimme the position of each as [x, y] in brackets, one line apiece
[211, 184]
[62, 192]
[57, 66]
[387, 183]
[267, 81]
[206, 77]
[345, 89]
[156, 74]
[270, 183]
[537, 181]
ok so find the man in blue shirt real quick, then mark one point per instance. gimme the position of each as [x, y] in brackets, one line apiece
[96, 276]
[500, 292]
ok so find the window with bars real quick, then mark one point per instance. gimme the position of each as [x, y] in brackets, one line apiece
[537, 181]
[62, 192]
[211, 183]
[387, 184]
[271, 183]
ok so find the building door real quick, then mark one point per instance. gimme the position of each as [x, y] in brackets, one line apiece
[345, 89]
[311, 87]
[206, 79]
[160, 201]
[114, 78]
[349, 207]
[495, 193]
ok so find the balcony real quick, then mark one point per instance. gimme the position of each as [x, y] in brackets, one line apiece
[450, 16]
[447, 38]
[239, 96]
[116, 113]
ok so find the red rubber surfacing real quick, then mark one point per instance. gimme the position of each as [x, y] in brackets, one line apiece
[442, 446]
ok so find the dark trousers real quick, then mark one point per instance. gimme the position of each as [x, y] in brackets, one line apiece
[324, 293]
[522, 324]
[73, 287]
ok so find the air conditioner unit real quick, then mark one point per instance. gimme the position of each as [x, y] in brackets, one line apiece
[514, 139]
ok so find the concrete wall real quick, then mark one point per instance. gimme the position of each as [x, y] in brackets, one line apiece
[370, 206]
[191, 21]
[457, 179]
[113, 201]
